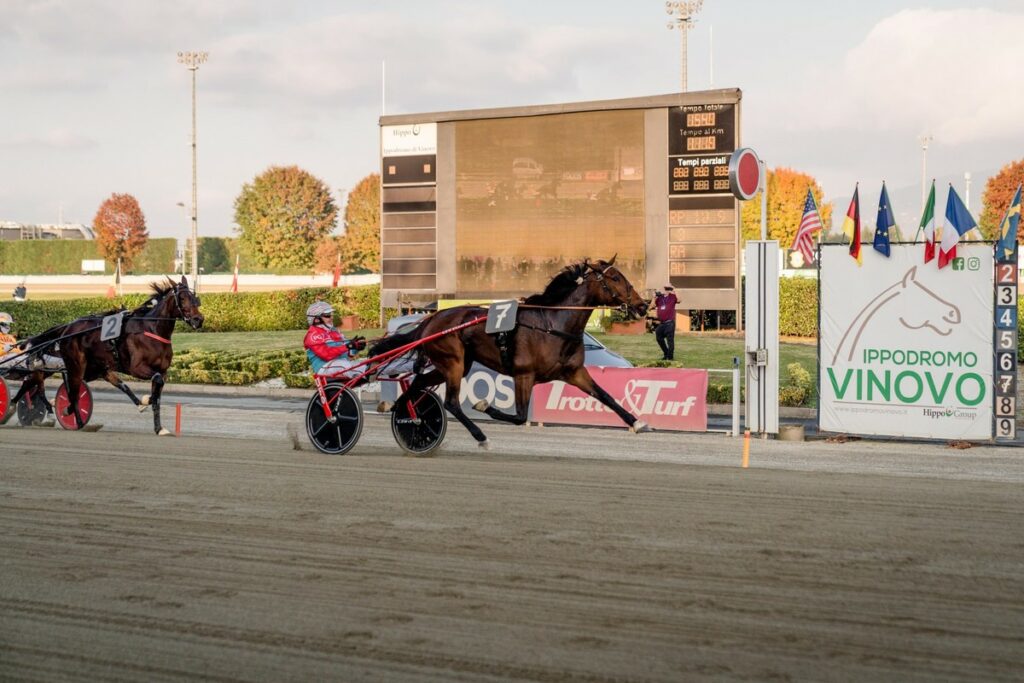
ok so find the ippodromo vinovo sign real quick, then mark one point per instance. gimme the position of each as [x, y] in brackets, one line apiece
[906, 348]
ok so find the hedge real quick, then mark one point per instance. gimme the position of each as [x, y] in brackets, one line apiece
[64, 257]
[224, 312]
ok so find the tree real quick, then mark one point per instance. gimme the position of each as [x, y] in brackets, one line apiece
[787, 192]
[120, 229]
[282, 215]
[326, 256]
[360, 246]
[995, 200]
[213, 255]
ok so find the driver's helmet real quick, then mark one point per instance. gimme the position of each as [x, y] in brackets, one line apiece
[5, 322]
[317, 309]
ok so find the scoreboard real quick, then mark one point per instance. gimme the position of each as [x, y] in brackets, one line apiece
[703, 217]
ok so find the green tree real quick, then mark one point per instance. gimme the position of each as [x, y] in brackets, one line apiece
[995, 200]
[282, 215]
[120, 229]
[213, 255]
[787, 192]
[360, 245]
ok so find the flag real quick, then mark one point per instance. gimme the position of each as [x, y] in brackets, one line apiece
[809, 224]
[337, 272]
[116, 284]
[851, 226]
[928, 225]
[234, 279]
[960, 222]
[1007, 233]
[883, 223]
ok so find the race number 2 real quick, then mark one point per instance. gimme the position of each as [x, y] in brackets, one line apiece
[110, 328]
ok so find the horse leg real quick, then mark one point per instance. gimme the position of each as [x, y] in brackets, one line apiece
[582, 380]
[157, 390]
[524, 387]
[74, 384]
[453, 384]
[115, 379]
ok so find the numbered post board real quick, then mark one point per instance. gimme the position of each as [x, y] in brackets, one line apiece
[1005, 347]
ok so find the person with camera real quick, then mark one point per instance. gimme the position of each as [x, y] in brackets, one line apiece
[665, 333]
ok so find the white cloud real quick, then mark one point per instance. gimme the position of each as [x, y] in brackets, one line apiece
[950, 72]
[57, 138]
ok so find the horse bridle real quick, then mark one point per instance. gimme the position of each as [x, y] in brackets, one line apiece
[181, 311]
[624, 303]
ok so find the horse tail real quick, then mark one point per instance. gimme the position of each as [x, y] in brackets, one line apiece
[394, 341]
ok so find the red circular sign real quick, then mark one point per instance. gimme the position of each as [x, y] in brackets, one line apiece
[744, 173]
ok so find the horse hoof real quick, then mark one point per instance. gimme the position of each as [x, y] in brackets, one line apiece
[640, 427]
[384, 407]
[481, 406]
[144, 401]
[142, 407]
[164, 432]
[484, 445]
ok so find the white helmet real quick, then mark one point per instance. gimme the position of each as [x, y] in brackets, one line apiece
[6, 320]
[317, 309]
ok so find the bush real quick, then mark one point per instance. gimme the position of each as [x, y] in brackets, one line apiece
[798, 307]
[64, 257]
[224, 312]
[798, 387]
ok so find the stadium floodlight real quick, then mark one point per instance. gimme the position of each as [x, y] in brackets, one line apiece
[192, 60]
[683, 14]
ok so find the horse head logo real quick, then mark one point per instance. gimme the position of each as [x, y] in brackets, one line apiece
[924, 310]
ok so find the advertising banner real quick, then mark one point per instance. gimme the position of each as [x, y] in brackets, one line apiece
[906, 348]
[665, 398]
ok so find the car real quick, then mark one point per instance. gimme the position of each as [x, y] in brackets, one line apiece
[525, 167]
[484, 384]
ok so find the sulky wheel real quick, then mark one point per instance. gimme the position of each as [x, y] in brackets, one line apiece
[419, 422]
[32, 407]
[61, 404]
[338, 435]
[5, 401]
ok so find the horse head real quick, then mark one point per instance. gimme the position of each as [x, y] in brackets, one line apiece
[925, 308]
[610, 287]
[188, 304]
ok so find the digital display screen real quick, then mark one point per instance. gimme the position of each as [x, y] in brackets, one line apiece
[698, 175]
[702, 128]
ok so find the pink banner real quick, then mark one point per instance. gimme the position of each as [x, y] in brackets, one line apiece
[665, 398]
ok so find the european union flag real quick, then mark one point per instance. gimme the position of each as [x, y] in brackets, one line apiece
[883, 223]
[1007, 244]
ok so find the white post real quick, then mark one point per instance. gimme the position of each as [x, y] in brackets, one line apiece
[764, 200]
[762, 336]
[735, 396]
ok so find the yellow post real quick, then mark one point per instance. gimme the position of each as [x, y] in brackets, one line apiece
[746, 449]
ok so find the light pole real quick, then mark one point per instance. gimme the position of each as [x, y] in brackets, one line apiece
[192, 60]
[682, 12]
[924, 140]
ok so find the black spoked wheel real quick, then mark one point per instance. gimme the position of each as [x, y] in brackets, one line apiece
[419, 422]
[338, 435]
[31, 407]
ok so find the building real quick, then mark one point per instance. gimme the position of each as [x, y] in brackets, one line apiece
[9, 230]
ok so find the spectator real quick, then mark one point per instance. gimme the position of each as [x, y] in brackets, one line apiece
[665, 332]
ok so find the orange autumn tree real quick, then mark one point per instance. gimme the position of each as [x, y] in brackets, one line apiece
[787, 192]
[120, 229]
[360, 245]
[995, 200]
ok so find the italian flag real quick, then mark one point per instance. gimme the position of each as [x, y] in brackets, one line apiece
[928, 226]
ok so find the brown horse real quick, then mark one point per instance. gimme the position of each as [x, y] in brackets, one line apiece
[546, 345]
[142, 350]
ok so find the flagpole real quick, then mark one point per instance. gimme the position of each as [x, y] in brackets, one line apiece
[924, 206]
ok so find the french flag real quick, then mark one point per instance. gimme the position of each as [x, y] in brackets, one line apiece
[959, 222]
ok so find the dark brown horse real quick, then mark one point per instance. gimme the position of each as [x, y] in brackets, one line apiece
[142, 350]
[547, 343]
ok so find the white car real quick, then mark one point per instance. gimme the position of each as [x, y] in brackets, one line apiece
[525, 167]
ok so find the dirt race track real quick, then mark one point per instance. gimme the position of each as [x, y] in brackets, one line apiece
[127, 557]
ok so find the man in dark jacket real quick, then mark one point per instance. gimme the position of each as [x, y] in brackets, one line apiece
[665, 332]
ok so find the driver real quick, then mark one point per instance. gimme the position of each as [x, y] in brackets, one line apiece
[10, 350]
[327, 349]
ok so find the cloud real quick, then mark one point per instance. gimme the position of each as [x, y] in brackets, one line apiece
[57, 138]
[945, 71]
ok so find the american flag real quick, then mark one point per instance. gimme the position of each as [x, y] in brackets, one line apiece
[809, 224]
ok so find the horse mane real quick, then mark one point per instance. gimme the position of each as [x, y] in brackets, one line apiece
[561, 285]
[160, 290]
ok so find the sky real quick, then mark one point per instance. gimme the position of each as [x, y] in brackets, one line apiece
[94, 101]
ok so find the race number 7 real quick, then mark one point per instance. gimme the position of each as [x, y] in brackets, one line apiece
[501, 317]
